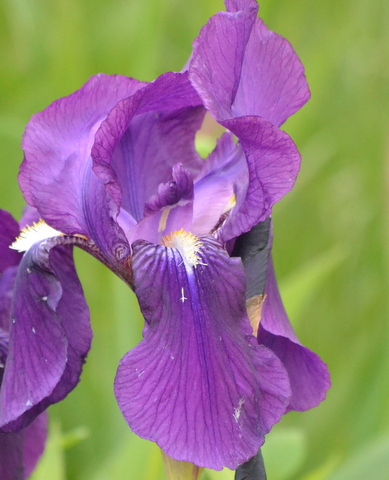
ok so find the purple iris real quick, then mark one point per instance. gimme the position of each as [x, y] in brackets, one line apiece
[114, 170]
[19, 451]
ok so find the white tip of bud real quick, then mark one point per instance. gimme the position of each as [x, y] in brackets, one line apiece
[35, 233]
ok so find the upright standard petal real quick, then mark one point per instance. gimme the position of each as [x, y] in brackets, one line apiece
[240, 67]
[145, 135]
[57, 172]
[308, 374]
[50, 334]
[198, 384]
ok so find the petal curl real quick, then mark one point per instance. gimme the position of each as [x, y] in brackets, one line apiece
[198, 384]
[273, 164]
[223, 173]
[240, 67]
[171, 206]
[308, 374]
[50, 335]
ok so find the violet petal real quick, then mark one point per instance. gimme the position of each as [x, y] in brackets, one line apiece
[172, 205]
[198, 384]
[308, 374]
[9, 230]
[145, 135]
[223, 173]
[49, 338]
[56, 175]
[19, 452]
[240, 67]
[273, 164]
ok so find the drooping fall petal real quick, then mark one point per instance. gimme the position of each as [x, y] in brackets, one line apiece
[198, 384]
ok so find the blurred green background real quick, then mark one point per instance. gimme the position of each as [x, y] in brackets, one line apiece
[331, 232]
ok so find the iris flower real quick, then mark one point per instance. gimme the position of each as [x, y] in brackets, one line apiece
[19, 451]
[113, 169]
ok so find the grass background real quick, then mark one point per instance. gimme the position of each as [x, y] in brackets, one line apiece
[331, 232]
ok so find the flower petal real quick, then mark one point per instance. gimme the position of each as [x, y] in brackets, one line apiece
[198, 384]
[50, 335]
[223, 173]
[273, 164]
[240, 67]
[168, 210]
[19, 452]
[9, 230]
[308, 374]
[56, 176]
[144, 136]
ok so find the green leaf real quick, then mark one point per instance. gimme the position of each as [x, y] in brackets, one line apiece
[135, 458]
[284, 452]
[301, 285]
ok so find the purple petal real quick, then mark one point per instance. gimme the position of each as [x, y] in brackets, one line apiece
[218, 52]
[239, 67]
[30, 215]
[56, 176]
[223, 173]
[308, 374]
[168, 210]
[19, 452]
[11, 456]
[198, 384]
[9, 230]
[50, 335]
[7, 282]
[272, 82]
[180, 189]
[273, 164]
[34, 442]
[146, 135]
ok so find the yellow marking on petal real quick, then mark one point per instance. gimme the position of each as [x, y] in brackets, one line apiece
[32, 234]
[79, 235]
[163, 219]
[254, 311]
[230, 204]
[187, 244]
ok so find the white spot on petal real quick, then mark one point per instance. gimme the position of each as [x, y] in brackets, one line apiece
[28, 403]
[33, 330]
[238, 410]
[44, 299]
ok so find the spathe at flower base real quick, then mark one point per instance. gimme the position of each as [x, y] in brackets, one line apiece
[177, 470]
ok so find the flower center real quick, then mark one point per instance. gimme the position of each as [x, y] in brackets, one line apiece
[187, 244]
